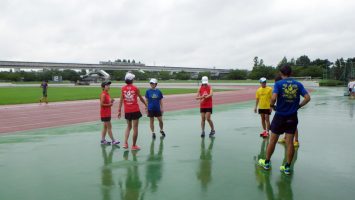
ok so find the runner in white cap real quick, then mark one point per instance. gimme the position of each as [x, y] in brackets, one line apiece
[263, 98]
[154, 97]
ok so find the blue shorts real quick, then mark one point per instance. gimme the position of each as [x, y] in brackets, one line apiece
[284, 124]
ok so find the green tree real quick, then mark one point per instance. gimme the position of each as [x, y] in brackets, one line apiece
[303, 61]
[237, 74]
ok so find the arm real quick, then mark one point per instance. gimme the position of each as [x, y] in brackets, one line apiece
[141, 98]
[161, 106]
[198, 97]
[210, 95]
[120, 105]
[256, 104]
[273, 100]
[306, 99]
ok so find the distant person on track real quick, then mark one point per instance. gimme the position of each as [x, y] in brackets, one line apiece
[105, 112]
[154, 98]
[262, 106]
[129, 96]
[351, 87]
[287, 94]
[204, 94]
[44, 86]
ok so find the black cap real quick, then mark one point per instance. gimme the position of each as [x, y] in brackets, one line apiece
[105, 83]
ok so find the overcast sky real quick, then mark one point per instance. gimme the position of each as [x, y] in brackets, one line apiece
[189, 33]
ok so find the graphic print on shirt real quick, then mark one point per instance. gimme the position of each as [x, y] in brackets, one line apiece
[290, 92]
[129, 96]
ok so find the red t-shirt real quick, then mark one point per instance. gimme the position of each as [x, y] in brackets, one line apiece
[105, 111]
[205, 90]
[130, 94]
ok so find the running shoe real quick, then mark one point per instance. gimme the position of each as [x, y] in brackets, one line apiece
[281, 140]
[265, 134]
[263, 164]
[115, 142]
[212, 133]
[135, 148]
[104, 142]
[285, 170]
[203, 134]
[125, 146]
[153, 136]
[162, 133]
[296, 144]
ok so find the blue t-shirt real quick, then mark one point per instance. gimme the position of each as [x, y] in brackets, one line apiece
[288, 96]
[154, 97]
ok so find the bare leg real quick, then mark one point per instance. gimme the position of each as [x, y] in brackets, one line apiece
[104, 130]
[208, 117]
[267, 121]
[263, 121]
[296, 135]
[128, 130]
[152, 124]
[271, 146]
[161, 124]
[203, 119]
[135, 131]
[109, 129]
[290, 147]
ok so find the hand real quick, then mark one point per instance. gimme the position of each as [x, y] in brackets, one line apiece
[112, 100]
[270, 110]
[162, 111]
[119, 114]
[255, 110]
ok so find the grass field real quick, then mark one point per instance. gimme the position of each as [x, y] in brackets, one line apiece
[21, 95]
[160, 81]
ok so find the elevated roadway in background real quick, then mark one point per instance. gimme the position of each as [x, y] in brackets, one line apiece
[124, 67]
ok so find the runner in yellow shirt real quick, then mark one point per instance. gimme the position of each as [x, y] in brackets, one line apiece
[263, 98]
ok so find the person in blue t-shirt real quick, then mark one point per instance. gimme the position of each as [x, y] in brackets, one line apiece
[154, 98]
[287, 94]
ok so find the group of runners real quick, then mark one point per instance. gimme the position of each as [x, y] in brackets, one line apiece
[153, 103]
[286, 94]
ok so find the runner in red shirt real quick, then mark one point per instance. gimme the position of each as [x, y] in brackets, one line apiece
[105, 113]
[204, 94]
[129, 95]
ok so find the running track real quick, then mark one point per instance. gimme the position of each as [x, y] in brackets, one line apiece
[33, 116]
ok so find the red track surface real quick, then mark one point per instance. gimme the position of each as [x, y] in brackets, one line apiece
[33, 116]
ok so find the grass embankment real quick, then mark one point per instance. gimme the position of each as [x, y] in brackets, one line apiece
[329, 82]
[22, 95]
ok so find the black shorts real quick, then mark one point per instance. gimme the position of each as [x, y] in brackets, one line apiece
[284, 124]
[153, 113]
[264, 111]
[133, 115]
[44, 93]
[105, 119]
[205, 110]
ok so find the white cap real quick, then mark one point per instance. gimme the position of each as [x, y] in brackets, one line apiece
[262, 80]
[204, 80]
[129, 76]
[153, 80]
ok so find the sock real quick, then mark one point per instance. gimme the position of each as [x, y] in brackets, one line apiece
[267, 161]
[287, 165]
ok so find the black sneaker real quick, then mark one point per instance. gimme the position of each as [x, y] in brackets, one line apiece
[162, 133]
[212, 133]
[153, 136]
[203, 134]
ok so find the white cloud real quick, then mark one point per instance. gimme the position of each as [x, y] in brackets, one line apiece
[196, 33]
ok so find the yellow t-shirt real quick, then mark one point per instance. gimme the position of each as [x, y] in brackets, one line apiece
[264, 96]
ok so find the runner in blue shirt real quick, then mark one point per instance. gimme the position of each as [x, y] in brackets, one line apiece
[287, 94]
[155, 106]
